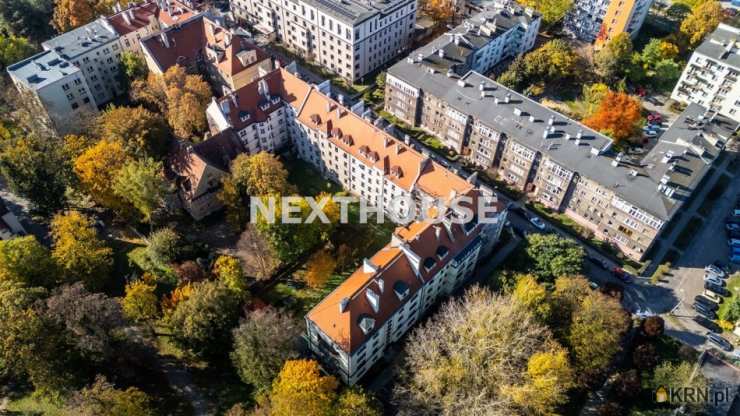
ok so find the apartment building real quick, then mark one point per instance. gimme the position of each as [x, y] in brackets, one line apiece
[711, 77]
[203, 44]
[55, 90]
[557, 161]
[350, 37]
[601, 20]
[135, 22]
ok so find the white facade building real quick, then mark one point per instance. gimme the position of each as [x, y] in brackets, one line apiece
[711, 77]
[351, 38]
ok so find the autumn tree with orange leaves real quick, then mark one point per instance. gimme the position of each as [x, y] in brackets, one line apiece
[618, 116]
[439, 10]
[319, 269]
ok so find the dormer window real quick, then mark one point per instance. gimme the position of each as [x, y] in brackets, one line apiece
[244, 116]
[373, 299]
[366, 324]
[401, 289]
[442, 252]
[429, 263]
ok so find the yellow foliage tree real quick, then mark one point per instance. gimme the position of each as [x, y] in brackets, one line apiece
[301, 390]
[69, 14]
[169, 303]
[320, 267]
[354, 402]
[97, 168]
[229, 271]
[142, 132]
[532, 295]
[78, 251]
[704, 18]
[181, 97]
[439, 10]
[140, 302]
[549, 377]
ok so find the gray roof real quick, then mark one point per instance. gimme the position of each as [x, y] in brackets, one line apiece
[85, 38]
[42, 69]
[635, 181]
[355, 11]
[722, 45]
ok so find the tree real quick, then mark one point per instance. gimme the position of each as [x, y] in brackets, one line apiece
[627, 385]
[533, 296]
[97, 168]
[619, 116]
[439, 10]
[163, 246]
[259, 259]
[549, 377]
[78, 251]
[15, 298]
[596, 327]
[229, 271]
[653, 326]
[473, 358]
[732, 313]
[202, 323]
[140, 302]
[515, 75]
[645, 357]
[552, 10]
[704, 18]
[678, 376]
[355, 402]
[612, 61]
[301, 390]
[27, 18]
[553, 62]
[142, 132]
[319, 269]
[133, 67]
[181, 97]
[255, 175]
[25, 261]
[14, 49]
[142, 184]
[33, 168]
[69, 14]
[102, 397]
[566, 297]
[553, 256]
[189, 272]
[264, 340]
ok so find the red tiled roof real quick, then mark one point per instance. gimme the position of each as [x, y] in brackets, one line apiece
[185, 44]
[142, 16]
[178, 13]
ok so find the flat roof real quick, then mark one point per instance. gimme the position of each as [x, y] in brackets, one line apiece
[42, 69]
[355, 11]
[722, 45]
[84, 39]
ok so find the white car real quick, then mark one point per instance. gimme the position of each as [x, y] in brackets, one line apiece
[714, 269]
[537, 222]
[713, 279]
[650, 133]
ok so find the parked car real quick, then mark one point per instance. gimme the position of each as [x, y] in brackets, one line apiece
[704, 311]
[717, 269]
[537, 222]
[707, 323]
[650, 133]
[731, 226]
[654, 118]
[713, 279]
[712, 296]
[622, 275]
[706, 302]
[735, 259]
[716, 289]
[719, 341]
[597, 261]
[593, 285]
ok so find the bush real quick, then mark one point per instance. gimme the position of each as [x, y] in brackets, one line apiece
[653, 326]
[164, 246]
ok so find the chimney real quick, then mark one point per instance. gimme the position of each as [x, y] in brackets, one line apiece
[507, 98]
[343, 305]
[441, 53]
[550, 120]
[437, 231]
[165, 39]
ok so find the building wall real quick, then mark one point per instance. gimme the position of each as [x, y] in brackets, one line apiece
[601, 20]
[711, 84]
[204, 201]
[130, 41]
[101, 67]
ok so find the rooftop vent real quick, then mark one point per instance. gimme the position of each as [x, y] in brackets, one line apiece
[343, 305]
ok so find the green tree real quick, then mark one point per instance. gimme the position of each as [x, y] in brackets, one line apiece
[553, 256]
[704, 18]
[203, 322]
[473, 359]
[25, 261]
[229, 271]
[553, 62]
[301, 390]
[34, 168]
[15, 298]
[732, 313]
[532, 295]
[142, 184]
[133, 67]
[14, 49]
[612, 61]
[27, 18]
[677, 376]
[102, 398]
[142, 132]
[596, 328]
[515, 75]
[355, 402]
[262, 343]
[78, 251]
[163, 246]
[140, 302]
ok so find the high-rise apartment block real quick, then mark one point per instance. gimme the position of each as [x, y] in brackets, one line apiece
[349, 37]
[601, 20]
[557, 161]
[711, 77]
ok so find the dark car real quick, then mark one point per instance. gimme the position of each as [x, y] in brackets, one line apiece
[707, 323]
[707, 303]
[719, 341]
[622, 275]
[717, 289]
[703, 311]
[597, 261]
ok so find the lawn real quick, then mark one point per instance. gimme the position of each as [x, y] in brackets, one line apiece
[308, 181]
[32, 405]
[733, 285]
[299, 298]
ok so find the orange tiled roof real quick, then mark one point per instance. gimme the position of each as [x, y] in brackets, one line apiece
[177, 12]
